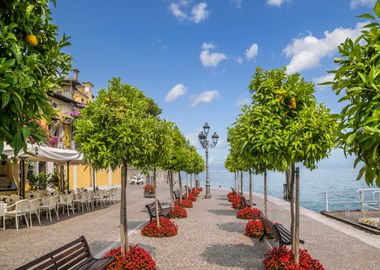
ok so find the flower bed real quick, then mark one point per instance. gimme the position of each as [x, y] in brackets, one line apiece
[248, 213]
[199, 189]
[255, 229]
[236, 203]
[192, 197]
[184, 203]
[136, 258]
[167, 228]
[149, 188]
[282, 258]
[178, 212]
[232, 196]
[195, 192]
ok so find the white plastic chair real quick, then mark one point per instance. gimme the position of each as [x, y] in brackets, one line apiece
[16, 210]
[34, 208]
[98, 197]
[68, 202]
[3, 206]
[50, 204]
[81, 199]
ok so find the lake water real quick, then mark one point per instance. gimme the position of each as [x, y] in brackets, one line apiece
[312, 186]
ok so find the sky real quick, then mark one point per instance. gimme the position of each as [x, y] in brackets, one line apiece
[196, 58]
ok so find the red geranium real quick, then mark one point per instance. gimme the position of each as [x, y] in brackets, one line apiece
[236, 203]
[136, 258]
[232, 196]
[178, 212]
[281, 258]
[199, 189]
[254, 228]
[192, 197]
[184, 203]
[248, 213]
[195, 192]
[167, 228]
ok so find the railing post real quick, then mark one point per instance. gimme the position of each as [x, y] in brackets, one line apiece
[361, 200]
[327, 201]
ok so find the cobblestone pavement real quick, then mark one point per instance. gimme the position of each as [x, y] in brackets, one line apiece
[210, 238]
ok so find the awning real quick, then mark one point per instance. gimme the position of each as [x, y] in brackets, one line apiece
[43, 153]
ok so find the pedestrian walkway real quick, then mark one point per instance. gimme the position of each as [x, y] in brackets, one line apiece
[210, 238]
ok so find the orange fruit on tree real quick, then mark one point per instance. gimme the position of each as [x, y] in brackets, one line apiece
[32, 40]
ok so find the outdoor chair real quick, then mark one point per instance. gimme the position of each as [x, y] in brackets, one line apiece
[107, 197]
[15, 198]
[81, 199]
[34, 208]
[68, 202]
[98, 197]
[50, 204]
[3, 207]
[16, 210]
[90, 199]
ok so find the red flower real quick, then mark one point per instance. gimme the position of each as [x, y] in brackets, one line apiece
[136, 258]
[199, 189]
[192, 197]
[178, 212]
[232, 196]
[149, 188]
[248, 213]
[184, 203]
[236, 202]
[281, 258]
[167, 228]
[254, 228]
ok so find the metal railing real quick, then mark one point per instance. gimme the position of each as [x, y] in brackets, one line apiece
[366, 199]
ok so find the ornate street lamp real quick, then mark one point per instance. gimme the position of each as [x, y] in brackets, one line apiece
[205, 144]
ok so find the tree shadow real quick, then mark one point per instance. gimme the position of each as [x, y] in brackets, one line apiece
[220, 212]
[234, 227]
[236, 255]
[225, 204]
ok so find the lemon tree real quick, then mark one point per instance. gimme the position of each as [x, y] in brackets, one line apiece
[31, 61]
[357, 80]
[114, 130]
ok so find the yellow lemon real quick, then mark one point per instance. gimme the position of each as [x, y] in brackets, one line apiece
[32, 40]
[293, 104]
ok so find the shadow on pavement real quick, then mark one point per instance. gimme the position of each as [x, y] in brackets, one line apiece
[240, 255]
[220, 212]
[234, 227]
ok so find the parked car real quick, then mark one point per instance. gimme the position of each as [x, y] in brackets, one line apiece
[137, 179]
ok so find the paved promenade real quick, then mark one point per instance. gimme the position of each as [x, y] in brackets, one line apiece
[210, 238]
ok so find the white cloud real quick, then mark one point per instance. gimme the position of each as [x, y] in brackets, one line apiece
[199, 12]
[243, 101]
[275, 3]
[177, 91]
[183, 11]
[206, 97]
[325, 78]
[306, 53]
[238, 60]
[252, 51]
[366, 3]
[236, 3]
[210, 59]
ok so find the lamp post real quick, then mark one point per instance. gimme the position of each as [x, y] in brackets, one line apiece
[205, 144]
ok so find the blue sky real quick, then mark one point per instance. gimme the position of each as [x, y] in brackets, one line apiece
[204, 52]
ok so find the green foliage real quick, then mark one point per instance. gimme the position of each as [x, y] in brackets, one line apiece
[43, 180]
[357, 80]
[118, 127]
[282, 126]
[28, 71]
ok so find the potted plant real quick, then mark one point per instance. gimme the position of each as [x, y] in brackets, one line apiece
[149, 191]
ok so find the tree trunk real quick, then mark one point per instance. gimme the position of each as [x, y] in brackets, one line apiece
[191, 181]
[241, 183]
[171, 187]
[123, 211]
[250, 189]
[265, 194]
[155, 196]
[180, 186]
[292, 226]
[187, 184]
[297, 218]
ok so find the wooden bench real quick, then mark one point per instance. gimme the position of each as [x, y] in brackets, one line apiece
[177, 195]
[278, 231]
[244, 202]
[75, 255]
[163, 212]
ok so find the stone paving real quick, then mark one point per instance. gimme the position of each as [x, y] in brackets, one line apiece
[210, 238]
